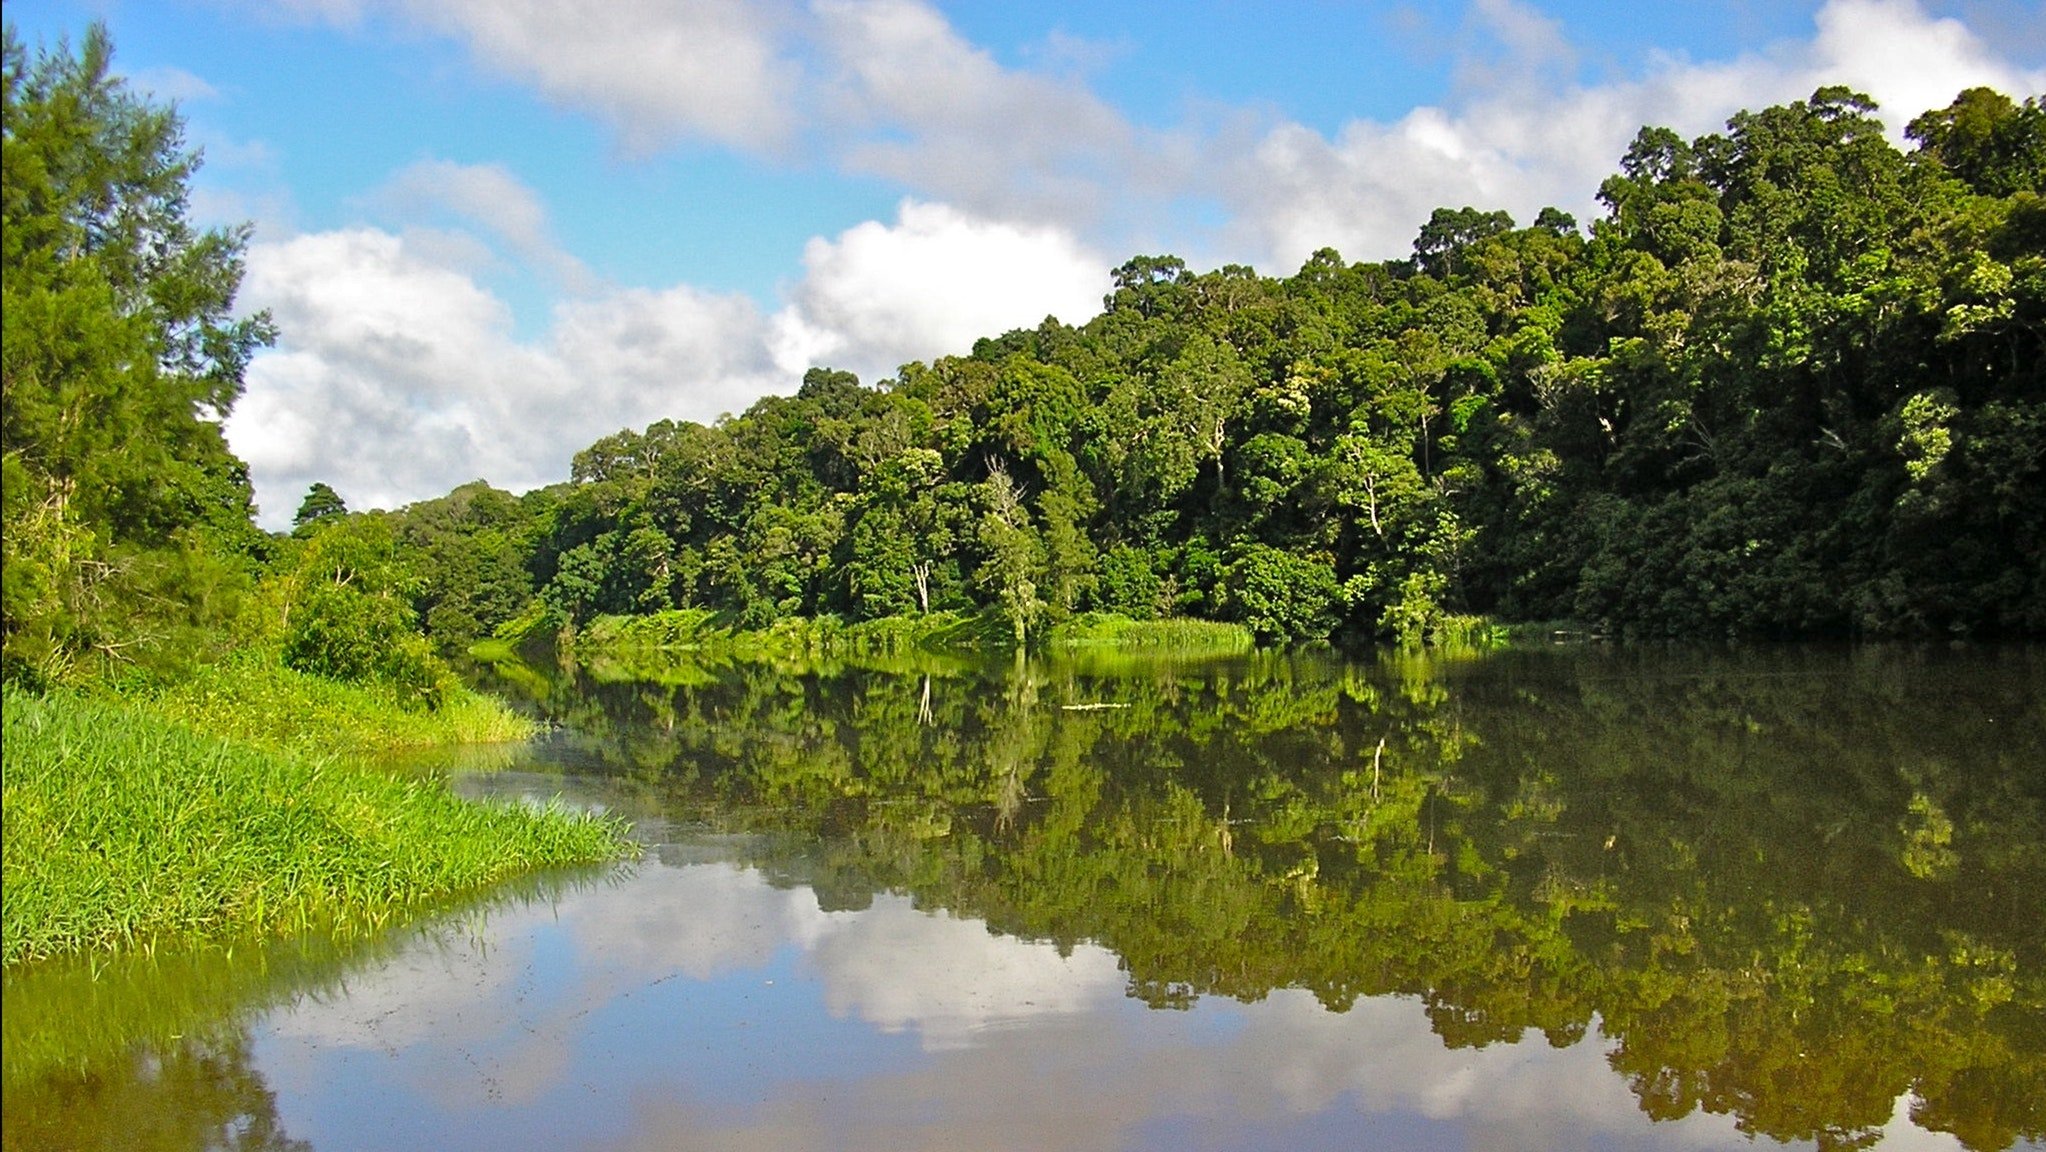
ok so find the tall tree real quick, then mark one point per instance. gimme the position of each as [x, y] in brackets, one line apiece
[321, 503]
[122, 355]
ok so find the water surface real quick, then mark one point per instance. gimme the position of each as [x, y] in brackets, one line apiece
[1580, 898]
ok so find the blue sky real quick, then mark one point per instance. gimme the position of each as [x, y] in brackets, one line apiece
[494, 230]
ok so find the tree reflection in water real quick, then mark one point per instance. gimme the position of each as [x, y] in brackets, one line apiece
[1793, 885]
[1789, 886]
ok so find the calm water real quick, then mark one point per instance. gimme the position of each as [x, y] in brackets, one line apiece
[1557, 899]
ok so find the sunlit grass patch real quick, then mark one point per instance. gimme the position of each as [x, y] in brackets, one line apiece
[122, 828]
[258, 701]
[1178, 635]
[716, 639]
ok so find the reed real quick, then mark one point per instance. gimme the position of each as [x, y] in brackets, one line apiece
[123, 828]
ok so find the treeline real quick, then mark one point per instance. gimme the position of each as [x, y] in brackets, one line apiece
[1790, 383]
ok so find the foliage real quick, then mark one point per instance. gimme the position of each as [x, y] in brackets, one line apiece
[1108, 630]
[254, 700]
[344, 611]
[321, 502]
[129, 558]
[1280, 596]
[1788, 384]
[126, 518]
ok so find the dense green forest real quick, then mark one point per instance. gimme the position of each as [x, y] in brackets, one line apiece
[131, 552]
[1790, 383]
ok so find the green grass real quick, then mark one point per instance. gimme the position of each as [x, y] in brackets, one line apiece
[715, 635]
[255, 700]
[1453, 631]
[1177, 636]
[123, 828]
[715, 638]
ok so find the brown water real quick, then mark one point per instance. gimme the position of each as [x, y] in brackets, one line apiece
[1556, 899]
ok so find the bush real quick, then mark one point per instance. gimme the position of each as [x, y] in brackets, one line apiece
[1280, 596]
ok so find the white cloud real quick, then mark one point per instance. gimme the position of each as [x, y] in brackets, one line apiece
[658, 71]
[168, 83]
[401, 375]
[1907, 60]
[398, 377]
[1367, 191]
[1531, 48]
[590, 994]
[489, 197]
[930, 284]
[878, 87]
[949, 979]
[890, 88]
[922, 106]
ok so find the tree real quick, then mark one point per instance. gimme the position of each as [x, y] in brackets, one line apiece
[1439, 248]
[121, 356]
[1788, 383]
[346, 610]
[1279, 595]
[321, 503]
[1015, 552]
[1995, 145]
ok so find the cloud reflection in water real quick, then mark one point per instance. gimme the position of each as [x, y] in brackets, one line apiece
[702, 1006]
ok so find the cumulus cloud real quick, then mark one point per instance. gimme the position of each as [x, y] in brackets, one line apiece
[659, 71]
[1367, 190]
[930, 284]
[949, 979]
[1907, 60]
[879, 87]
[926, 108]
[401, 373]
[489, 197]
[398, 376]
[610, 993]
[890, 88]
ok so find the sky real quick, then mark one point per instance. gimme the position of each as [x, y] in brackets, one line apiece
[493, 231]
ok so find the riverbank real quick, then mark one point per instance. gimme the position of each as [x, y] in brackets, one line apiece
[128, 823]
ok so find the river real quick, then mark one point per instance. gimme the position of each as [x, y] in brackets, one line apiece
[1569, 897]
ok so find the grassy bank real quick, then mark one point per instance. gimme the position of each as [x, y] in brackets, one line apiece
[1181, 636]
[123, 827]
[255, 700]
[714, 633]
